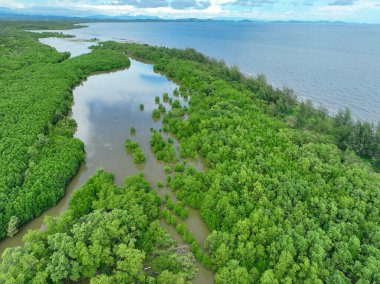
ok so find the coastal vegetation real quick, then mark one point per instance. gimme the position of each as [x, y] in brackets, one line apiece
[39, 25]
[341, 129]
[285, 201]
[290, 193]
[39, 155]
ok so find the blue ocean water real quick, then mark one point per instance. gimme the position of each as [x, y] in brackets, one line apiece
[335, 65]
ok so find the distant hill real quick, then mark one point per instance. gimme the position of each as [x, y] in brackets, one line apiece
[9, 14]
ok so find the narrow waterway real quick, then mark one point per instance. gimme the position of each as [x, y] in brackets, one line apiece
[105, 107]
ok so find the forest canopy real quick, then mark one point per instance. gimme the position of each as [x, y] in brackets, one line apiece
[289, 192]
[109, 234]
[39, 155]
[286, 203]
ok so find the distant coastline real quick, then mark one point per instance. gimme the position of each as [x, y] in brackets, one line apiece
[9, 14]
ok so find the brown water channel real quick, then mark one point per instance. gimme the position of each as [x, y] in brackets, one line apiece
[105, 107]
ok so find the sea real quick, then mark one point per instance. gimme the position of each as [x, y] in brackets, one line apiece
[336, 65]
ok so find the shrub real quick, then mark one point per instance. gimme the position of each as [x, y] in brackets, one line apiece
[156, 115]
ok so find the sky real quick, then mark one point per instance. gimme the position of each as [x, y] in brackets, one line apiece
[359, 11]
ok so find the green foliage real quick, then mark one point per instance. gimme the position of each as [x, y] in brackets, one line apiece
[361, 137]
[108, 235]
[167, 169]
[160, 184]
[176, 92]
[40, 25]
[131, 146]
[136, 151]
[169, 204]
[165, 97]
[132, 130]
[164, 151]
[170, 218]
[161, 108]
[284, 202]
[176, 182]
[177, 207]
[179, 167]
[156, 114]
[39, 155]
[233, 273]
[187, 236]
[168, 180]
[141, 107]
[180, 210]
[176, 104]
[12, 226]
[157, 142]
[139, 156]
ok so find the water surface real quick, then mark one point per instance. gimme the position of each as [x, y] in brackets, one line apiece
[336, 65]
[75, 46]
[105, 107]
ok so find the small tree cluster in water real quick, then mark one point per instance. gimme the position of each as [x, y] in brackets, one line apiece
[156, 114]
[165, 97]
[136, 151]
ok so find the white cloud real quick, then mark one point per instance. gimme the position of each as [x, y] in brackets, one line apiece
[214, 9]
[11, 4]
[342, 11]
[359, 11]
